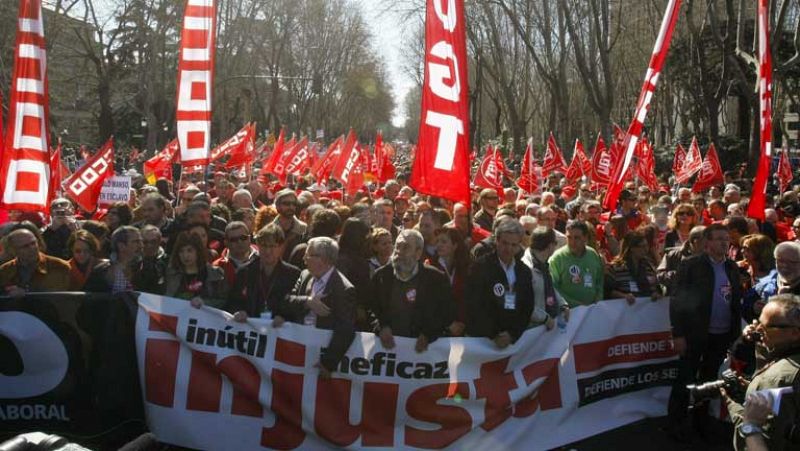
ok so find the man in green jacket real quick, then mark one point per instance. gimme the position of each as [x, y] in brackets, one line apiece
[577, 270]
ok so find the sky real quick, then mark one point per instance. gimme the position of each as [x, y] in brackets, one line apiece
[387, 38]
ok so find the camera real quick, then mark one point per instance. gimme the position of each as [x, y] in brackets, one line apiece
[710, 390]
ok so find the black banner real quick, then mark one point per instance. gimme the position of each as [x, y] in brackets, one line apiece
[68, 367]
[625, 380]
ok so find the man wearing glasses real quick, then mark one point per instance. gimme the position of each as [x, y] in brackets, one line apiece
[779, 328]
[705, 316]
[294, 229]
[787, 262]
[489, 200]
[238, 251]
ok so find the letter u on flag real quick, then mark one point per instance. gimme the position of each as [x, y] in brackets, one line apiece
[196, 81]
[441, 163]
[25, 160]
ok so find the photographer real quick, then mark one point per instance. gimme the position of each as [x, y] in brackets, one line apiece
[778, 329]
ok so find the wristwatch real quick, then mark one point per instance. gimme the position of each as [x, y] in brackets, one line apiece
[748, 429]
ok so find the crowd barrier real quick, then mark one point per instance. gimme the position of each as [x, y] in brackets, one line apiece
[83, 365]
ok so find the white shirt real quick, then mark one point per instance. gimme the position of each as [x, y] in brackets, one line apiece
[511, 276]
[318, 286]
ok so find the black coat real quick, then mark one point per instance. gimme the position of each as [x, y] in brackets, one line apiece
[486, 313]
[690, 306]
[434, 308]
[246, 291]
[341, 299]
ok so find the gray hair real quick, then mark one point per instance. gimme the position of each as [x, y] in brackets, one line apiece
[243, 192]
[326, 248]
[508, 224]
[793, 246]
[122, 235]
[414, 237]
[150, 228]
[233, 225]
[789, 305]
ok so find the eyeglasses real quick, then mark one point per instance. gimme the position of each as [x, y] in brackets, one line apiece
[288, 203]
[776, 326]
[492, 198]
[237, 239]
[684, 213]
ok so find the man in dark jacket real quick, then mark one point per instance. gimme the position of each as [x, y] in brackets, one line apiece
[324, 298]
[499, 291]
[705, 316]
[667, 270]
[264, 282]
[411, 299]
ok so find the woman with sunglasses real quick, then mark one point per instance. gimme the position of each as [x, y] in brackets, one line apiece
[684, 217]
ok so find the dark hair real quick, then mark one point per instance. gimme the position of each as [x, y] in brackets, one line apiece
[188, 239]
[542, 237]
[461, 259]
[99, 229]
[159, 200]
[715, 227]
[84, 236]
[737, 223]
[123, 212]
[579, 226]
[354, 237]
[163, 186]
[324, 222]
[629, 241]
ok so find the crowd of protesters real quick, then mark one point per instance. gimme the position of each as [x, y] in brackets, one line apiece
[398, 263]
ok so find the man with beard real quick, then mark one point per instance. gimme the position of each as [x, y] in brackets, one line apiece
[293, 229]
[411, 299]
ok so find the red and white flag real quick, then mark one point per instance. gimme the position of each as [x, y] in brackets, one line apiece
[348, 169]
[196, 81]
[660, 51]
[299, 159]
[279, 170]
[85, 184]
[160, 166]
[25, 160]
[553, 158]
[710, 173]
[490, 171]
[275, 156]
[226, 148]
[646, 169]
[677, 162]
[321, 170]
[242, 150]
[58, 173]
[692, 163]
[601, 163]
[527, 180]
[441, 163]
[758, 200]
[785, 173]
[580, 164]
[377, 157]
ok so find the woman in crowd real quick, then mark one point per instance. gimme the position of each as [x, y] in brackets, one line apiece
[118, 214]
[354, 265]
[760, 278]
[190, 277]
[213, 249]
[632, 273]
[453, 260]
[680, 224]
[380, 247]
[84, 249]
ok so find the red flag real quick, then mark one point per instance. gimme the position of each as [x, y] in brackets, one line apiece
[602, 164]
[230, 144]
[527, 175]
[441, 163]
[553, 158]
[660, 50]
[785, 173]
[280, 166]
[196, 80]
[300, 158]
[692, 163]
[277, 153]
[25, 160]
[377, 157]
[161, 164]
[680, 158]
[710, 172]
[387, 169]
[85, 184]
[242, 152]
[577, 167]
[348, 168]
[366, 163]
[490, 171]
[758, 202]
[57, 171]
[646, 169]
[321, 170]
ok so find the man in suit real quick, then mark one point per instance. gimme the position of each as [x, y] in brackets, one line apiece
[499, 289]
[264, 283]
[705, 316]
[324, 298]
[411, 299]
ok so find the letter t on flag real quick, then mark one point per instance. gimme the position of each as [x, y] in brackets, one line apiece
[441, 163]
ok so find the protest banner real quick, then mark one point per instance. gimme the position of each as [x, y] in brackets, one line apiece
[115, 189]
[211, 383]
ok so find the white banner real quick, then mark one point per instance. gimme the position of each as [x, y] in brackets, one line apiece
[116, 188]
[211, 383]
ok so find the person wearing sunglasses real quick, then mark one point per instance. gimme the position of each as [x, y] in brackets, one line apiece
[683, 219]
[779, 329]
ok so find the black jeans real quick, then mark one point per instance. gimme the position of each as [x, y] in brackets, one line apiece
[700, 364]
